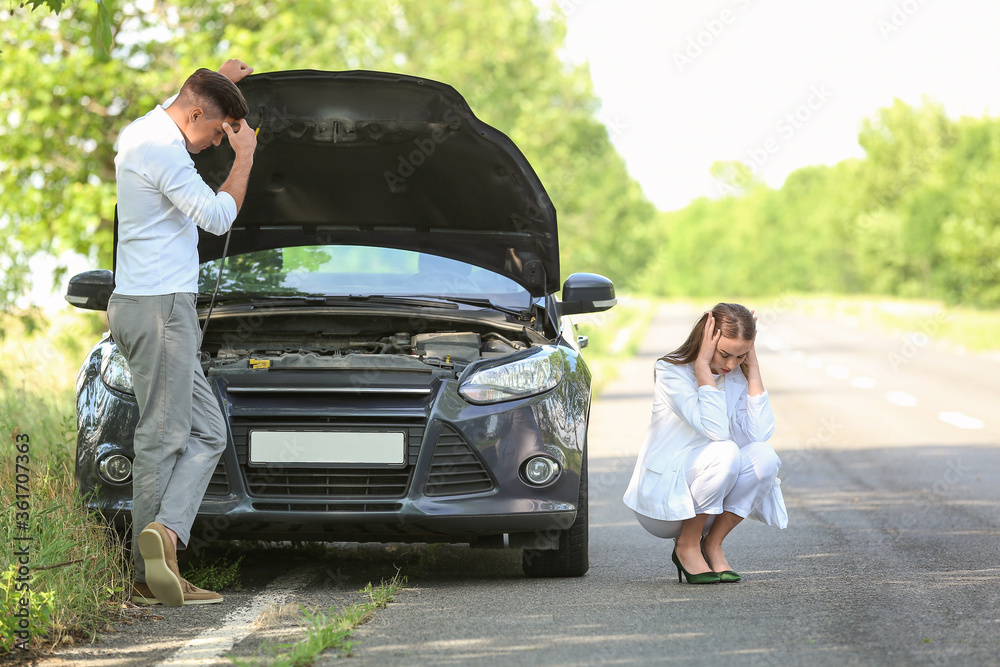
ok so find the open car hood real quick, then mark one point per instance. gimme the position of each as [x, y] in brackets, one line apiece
[379, 159]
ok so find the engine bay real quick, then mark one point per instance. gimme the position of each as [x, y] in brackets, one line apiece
[444, 350]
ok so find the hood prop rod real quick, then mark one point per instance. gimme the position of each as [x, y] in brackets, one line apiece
[218, 281]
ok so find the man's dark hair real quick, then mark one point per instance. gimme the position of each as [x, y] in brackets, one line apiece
[216, 94]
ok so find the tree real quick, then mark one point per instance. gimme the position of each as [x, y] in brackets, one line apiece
[919, 215]
[100, 37]
[61, 108]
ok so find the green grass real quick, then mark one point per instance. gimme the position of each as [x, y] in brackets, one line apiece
[78, 573]
[325, 631]
[614, 336]
[969, 328]
[214, 574]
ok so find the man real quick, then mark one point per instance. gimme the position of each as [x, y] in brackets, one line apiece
[181, 432]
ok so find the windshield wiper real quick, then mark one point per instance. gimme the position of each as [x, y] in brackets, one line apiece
[521, 314]
[419, 300]
[385, 299]
[253, 297]
[325, 300]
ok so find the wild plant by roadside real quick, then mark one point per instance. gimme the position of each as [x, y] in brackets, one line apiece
[326, 631]
[69, 568]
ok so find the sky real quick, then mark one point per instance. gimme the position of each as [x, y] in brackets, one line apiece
[776, 84]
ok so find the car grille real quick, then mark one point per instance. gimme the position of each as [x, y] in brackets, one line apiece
[455, 469]
[219, 484]
[327, 482]
[339, 507]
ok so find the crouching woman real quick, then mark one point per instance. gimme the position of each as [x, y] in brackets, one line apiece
[705, 464]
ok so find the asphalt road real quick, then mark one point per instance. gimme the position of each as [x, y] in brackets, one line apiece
[891, 554]
[891, 473]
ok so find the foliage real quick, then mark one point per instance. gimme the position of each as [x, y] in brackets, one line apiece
[100, 38]
[61, 108]
[77, 572]
[613, 337]
[919, 215]
[18, 607]
[77, 567]
[216, 574]
[70, 554]
[923, 322]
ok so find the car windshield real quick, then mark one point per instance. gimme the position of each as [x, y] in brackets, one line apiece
[335, 270]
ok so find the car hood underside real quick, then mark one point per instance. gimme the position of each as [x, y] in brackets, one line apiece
[372, 158]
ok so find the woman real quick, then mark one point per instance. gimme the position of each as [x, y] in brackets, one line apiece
[706, 465]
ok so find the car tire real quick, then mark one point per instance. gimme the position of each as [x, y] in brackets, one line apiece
[572, 558]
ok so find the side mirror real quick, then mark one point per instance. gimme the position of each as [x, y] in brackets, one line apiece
[91, 290]
[586, 293]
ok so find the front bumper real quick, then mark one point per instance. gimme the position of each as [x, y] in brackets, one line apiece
[461, 482]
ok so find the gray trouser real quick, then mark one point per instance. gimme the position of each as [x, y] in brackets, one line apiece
[181, 432]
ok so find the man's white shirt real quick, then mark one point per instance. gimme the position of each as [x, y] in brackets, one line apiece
[161, 200]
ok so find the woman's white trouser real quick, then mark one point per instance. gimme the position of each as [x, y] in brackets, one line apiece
[723, 477]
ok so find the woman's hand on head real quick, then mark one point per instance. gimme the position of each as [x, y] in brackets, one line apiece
[706, 351]
[751, 359]
[709, 341]
[754, 382]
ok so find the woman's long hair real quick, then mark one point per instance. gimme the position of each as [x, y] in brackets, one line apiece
[734, 320]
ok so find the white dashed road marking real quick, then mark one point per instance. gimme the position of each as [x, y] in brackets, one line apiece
[901, 398]
[209, 647]
[960, 420]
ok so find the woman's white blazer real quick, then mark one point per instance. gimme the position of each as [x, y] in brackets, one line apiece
[686, 416]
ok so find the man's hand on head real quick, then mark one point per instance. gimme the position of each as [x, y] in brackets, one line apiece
[242, 138]
[235, 70]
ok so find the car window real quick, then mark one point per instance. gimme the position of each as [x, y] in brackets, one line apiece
[357, 270]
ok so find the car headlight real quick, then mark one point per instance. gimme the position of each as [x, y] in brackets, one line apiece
[115, 371]
[520, 378]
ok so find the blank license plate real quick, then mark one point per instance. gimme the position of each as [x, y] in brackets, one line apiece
[377, 448]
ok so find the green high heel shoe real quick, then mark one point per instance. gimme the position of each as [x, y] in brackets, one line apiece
[726, 576]
[700, 578]
[729, 577]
